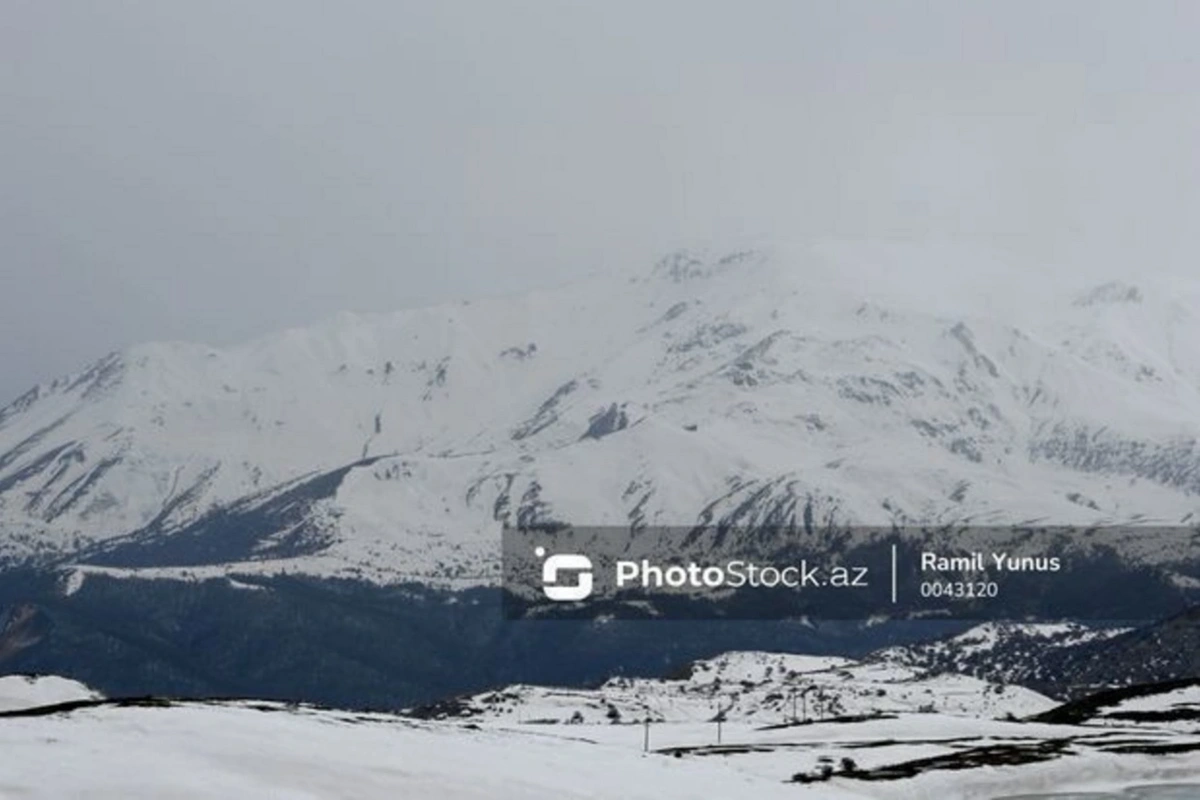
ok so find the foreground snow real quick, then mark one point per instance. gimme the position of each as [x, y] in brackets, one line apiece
[198, 750]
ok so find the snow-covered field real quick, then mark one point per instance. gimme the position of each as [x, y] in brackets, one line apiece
[196, 750]
[789, 726]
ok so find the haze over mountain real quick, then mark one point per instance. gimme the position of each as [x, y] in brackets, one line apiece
[216, 172]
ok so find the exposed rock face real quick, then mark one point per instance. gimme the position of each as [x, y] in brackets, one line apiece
[607, 421]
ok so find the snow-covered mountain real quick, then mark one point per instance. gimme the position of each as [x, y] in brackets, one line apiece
[750, 388]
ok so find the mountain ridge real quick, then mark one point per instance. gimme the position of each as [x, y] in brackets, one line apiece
[739, 388]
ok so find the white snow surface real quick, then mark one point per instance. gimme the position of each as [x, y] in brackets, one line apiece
[31, 691]
[208, 750]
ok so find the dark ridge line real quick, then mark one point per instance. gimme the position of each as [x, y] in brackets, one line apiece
[159, 701]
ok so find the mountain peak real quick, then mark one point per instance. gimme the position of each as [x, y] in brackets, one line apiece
[1111, 293]
[689, 265]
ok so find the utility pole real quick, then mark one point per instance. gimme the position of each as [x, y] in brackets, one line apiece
[720, 717]
[803, 701]
[646, 736]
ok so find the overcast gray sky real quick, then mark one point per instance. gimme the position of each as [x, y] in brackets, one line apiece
[214, 170]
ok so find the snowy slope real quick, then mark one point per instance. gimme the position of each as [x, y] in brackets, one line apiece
[31, 691]
[1184, 701]
[747, 387]
[764, 688]
[1001, 652]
